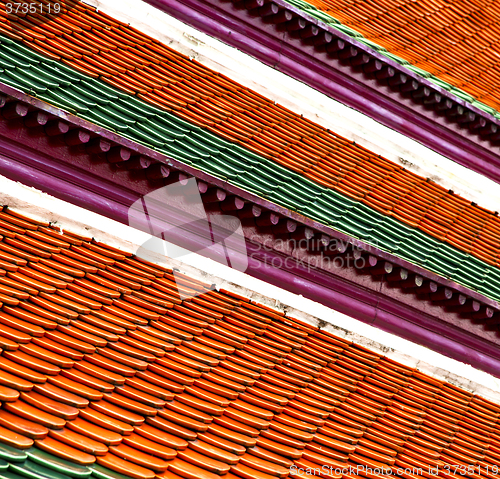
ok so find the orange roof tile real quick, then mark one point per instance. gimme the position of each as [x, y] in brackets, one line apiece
[107, 380]
[457, 42]
[206, 98]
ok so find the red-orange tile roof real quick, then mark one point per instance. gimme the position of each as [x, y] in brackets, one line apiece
[457, 41]
[104, 366]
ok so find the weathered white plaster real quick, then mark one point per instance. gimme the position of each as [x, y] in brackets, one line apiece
[39, 205]
[303, 99]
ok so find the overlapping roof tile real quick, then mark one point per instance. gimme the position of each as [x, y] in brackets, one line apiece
[110, 74]
[454, 44]
[106, 372]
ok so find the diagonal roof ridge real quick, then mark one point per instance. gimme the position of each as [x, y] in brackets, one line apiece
[339, 19]
[261, 143]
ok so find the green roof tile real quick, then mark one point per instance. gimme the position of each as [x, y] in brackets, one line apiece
[175, 137]
[28, 83]
[10, 475]
[11, 61]
[57, 464]
[32, 470]
[12, 454]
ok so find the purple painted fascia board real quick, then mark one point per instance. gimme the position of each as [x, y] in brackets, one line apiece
[48, 164]
[348, 297]
[381, 312]
[49, 175]
[384, 59]
[388, 109]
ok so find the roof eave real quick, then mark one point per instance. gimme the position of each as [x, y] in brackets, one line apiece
[87, 178]
[468, 138]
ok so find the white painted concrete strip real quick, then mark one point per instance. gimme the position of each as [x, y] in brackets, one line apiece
[39, 205]
[304, 100]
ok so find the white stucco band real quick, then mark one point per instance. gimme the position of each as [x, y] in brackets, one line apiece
[39, 205]
[304, 100]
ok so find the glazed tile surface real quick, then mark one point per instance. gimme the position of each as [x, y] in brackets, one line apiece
[101, 379]
[453, 44]
[112, 75]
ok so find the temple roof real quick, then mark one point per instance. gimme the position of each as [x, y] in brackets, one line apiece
[113, 75]
[113, 367]
[454, 44]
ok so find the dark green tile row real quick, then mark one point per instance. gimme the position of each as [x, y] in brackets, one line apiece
[333, 22]
[134, 119]
[34, 463]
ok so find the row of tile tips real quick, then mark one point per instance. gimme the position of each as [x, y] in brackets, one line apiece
[113, 75]
[106, 372]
